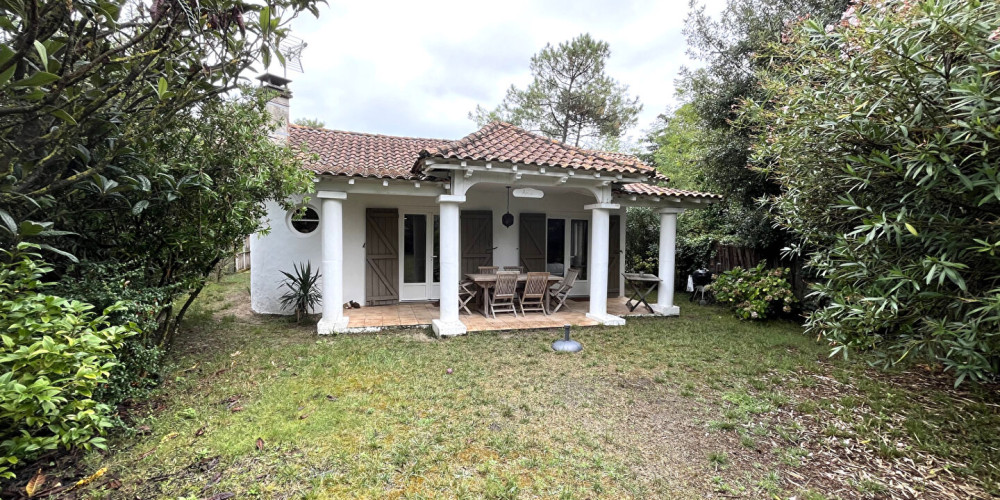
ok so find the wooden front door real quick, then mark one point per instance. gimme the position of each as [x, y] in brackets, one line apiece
[614, 256]
[532, 242]
[477, 240]
[381, 256]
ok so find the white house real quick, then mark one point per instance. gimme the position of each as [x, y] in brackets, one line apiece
[401, 219]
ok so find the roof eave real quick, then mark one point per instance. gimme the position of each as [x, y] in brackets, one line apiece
[419, 178]
[438, 159]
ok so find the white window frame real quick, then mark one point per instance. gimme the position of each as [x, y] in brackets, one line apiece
[296, 232]
[427, 290]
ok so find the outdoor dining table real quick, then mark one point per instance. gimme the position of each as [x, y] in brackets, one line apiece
[487, 281]
[642, 284]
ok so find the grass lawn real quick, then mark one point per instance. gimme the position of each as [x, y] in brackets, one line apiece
[698, 406]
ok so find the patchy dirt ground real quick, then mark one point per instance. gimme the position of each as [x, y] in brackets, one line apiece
[887, 461]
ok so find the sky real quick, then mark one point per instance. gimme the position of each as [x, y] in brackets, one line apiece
[418, 68]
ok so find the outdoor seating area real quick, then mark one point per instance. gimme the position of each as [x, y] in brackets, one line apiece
[419, 315]
[498, 298]
[511, 289]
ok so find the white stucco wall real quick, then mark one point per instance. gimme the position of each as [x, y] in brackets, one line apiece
[282, 247]
[275, 252]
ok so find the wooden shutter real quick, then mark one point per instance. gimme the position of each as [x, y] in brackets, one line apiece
[614, 256]
[477, 240]
[532, 242]
[381, 256]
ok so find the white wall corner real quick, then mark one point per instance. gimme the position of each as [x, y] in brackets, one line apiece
[603, 193]
[460, 184]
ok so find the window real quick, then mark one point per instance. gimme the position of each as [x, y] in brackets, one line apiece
[305, 220]
[414, 248]
[556, 247]
[578, 240]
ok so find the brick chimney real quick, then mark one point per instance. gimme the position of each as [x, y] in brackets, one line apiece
[278, 105]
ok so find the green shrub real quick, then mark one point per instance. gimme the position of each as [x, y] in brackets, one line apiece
[693, 252]
[883, 134]
[756, 293]
[642, 240]
[698, 233]
[137, 299]
[54, 354]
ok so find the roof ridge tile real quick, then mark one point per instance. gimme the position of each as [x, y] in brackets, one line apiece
[498, 145]
[364, 134]
[343, 152]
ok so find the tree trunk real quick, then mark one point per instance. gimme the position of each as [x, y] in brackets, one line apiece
[172, 329]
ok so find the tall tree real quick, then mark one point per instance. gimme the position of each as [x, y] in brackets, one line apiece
[675, 147]
[310, 122]
[210, 171]
[571, 99]
[82, 83]
[118, 145]
[735, 50]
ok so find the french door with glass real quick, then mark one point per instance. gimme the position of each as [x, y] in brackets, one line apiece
[420, 266]
[567, 246]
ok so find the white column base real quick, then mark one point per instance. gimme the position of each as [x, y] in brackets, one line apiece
[331, 326]
[448, 328]
[607, 319]
[666, 310]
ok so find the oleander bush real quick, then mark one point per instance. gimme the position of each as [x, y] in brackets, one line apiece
[884, 134]
[54, 354]
[757, 293]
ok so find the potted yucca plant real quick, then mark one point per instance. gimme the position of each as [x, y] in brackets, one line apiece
[302, 294]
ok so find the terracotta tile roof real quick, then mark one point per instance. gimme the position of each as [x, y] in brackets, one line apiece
[651, 190]
[356, 154]
[503, 142]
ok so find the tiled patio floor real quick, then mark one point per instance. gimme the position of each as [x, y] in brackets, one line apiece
[421, 313]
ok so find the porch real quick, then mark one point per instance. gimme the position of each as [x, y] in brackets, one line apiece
[405, 220]
[417, 247]
[421, 314]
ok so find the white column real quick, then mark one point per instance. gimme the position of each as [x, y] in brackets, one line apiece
[332, 231]
[448, 324]
[668, 249]
[598, 270]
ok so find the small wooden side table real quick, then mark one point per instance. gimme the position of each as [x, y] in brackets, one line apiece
[642, 284]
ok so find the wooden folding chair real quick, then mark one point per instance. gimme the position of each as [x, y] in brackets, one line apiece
[519, 269]
[466, 292]
[561, 291]
[488, 269]
[533, 296]
[504, 293]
